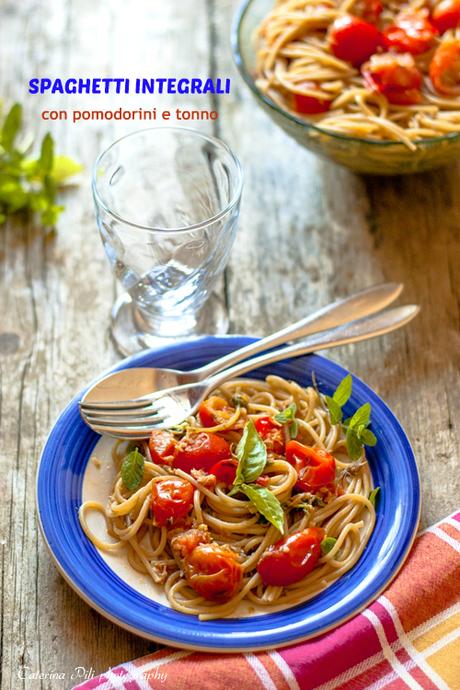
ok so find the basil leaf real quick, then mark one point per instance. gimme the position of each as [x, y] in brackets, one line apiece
[335, 411]
[252, 455]
[45, 162]
[327, 545]
[294, 429]
[266, 503]
[373, 495]
[132, 470]
[367, 437]
[362, 416]
[64, 167]
[343, 391]
[11, 127]
[286, 415]
[354, 444]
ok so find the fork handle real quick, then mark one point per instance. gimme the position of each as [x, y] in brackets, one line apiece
[370, 327]
[363, 303]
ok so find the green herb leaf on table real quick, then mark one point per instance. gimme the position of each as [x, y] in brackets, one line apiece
[327, 545]
[374, 494]
[252, 455]
[266, 504]
[132, 470]
[30, 184]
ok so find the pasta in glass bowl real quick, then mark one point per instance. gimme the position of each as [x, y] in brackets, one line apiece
[365, 132]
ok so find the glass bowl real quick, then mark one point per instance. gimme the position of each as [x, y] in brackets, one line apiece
[361, 155]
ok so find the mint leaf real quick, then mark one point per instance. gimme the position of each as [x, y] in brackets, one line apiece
[354, 444]
[266, 503]
[327, 545]
[132, 470]
[11, 127]
[367, 437]
[373, 495]
[335, 411]
[286, 415]
[45, 162]
[362, 416]
[343, 391]
[252, 455]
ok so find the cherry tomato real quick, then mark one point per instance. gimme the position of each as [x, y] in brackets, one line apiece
[162, 446]
[172, 500]
[214, 572]
[395, 76]
[291, 558]
[315, 467]
[369, 10]
[271, 433]
[446, 15]
[215, 410]
[225, 471]
[200, 451]
[308, 104]
[444, 68]
[354, 40]
[412, 32]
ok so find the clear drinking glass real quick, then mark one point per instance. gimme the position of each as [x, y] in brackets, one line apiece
[167, 203]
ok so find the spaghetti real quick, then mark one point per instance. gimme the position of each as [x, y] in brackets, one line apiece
[312, 63]
[224, 523]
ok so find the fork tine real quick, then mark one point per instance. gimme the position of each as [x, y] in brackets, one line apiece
[136, 422]
[121, 415]
[121, 433]
[115, 405]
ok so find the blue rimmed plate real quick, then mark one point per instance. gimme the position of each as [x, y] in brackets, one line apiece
[59, 495]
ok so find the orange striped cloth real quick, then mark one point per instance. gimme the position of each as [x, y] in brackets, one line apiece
[408, 638]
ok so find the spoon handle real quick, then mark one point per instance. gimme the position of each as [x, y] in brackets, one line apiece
[370, 327]
[363, 303]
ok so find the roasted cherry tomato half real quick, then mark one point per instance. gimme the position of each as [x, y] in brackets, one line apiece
[200, 451]
[214, 572]
[271, 433]
[315, 466]
[308, 104]
[162, 446]
[412, 32]
[291, 558]
[183, 543]
[172, 500]
[225, 471]
[446, 15]
[369, 10]
[395, 76]
[215, 410]
[444, 68]
[354, 40]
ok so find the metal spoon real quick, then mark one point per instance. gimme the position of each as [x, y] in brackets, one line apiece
[167, 408]
[136, 382]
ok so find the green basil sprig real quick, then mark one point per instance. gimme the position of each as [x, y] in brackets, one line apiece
[327, 545]
[252, 458]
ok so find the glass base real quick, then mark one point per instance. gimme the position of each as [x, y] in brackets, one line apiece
[131, 333]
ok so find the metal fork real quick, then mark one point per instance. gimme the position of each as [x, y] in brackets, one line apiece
[135, 382]
[170, 407]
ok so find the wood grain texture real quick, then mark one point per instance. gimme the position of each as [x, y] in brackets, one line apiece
[309, 232]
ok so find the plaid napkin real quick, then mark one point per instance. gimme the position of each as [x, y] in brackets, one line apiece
[408, 638]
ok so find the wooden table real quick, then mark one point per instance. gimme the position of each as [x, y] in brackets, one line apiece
[310, 232]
